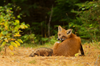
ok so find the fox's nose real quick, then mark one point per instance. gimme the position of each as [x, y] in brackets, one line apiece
[58, 38]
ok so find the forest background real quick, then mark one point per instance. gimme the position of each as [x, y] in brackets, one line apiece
[36, 21]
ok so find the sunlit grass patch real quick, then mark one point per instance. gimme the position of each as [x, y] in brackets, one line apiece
[33, 61]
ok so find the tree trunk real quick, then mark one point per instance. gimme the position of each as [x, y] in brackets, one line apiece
[50, 21]
[5, 49]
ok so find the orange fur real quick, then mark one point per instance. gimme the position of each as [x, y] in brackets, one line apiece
[70, 46]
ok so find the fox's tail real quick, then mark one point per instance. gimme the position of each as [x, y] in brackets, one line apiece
[81, 49]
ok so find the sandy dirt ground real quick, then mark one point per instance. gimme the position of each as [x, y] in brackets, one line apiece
[21, 58]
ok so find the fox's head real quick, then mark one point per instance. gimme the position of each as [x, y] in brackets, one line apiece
[63, 34]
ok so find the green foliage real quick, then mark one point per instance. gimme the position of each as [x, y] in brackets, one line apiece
[89, 19]
[50, 40]
[62, 10]
[44, 39]
[10, 28]
[53, 39]
[30, 38]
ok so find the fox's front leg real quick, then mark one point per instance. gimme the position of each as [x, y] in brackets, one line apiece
[56, 44]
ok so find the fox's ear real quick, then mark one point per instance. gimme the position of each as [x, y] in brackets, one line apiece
[59, 28]
[69, 31]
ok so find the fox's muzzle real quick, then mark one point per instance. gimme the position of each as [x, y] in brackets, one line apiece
[58, 39]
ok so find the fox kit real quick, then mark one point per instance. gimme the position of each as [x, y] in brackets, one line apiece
[42, 52]
[70, 44]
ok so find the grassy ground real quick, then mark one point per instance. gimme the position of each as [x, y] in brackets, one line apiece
[21, 57]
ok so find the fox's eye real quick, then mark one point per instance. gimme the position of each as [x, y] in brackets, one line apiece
[59, 34]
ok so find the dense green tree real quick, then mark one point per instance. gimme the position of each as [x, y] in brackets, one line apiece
[89, 16]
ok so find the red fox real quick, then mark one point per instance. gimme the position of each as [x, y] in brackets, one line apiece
[70, 43]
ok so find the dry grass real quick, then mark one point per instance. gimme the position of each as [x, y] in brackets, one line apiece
[20, 58]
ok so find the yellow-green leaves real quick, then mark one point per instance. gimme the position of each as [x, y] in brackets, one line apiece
[0, 41]
[20, 40]
[17, 21]
[18, 44]
[4, 32]
[6, 40]
[1, 35]
[11, 47]
[6, 25]
[12, 39]
[3, 44]
[23, 26]
[14, 44]
[1, 23]
[17, 35]
[10, 28]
